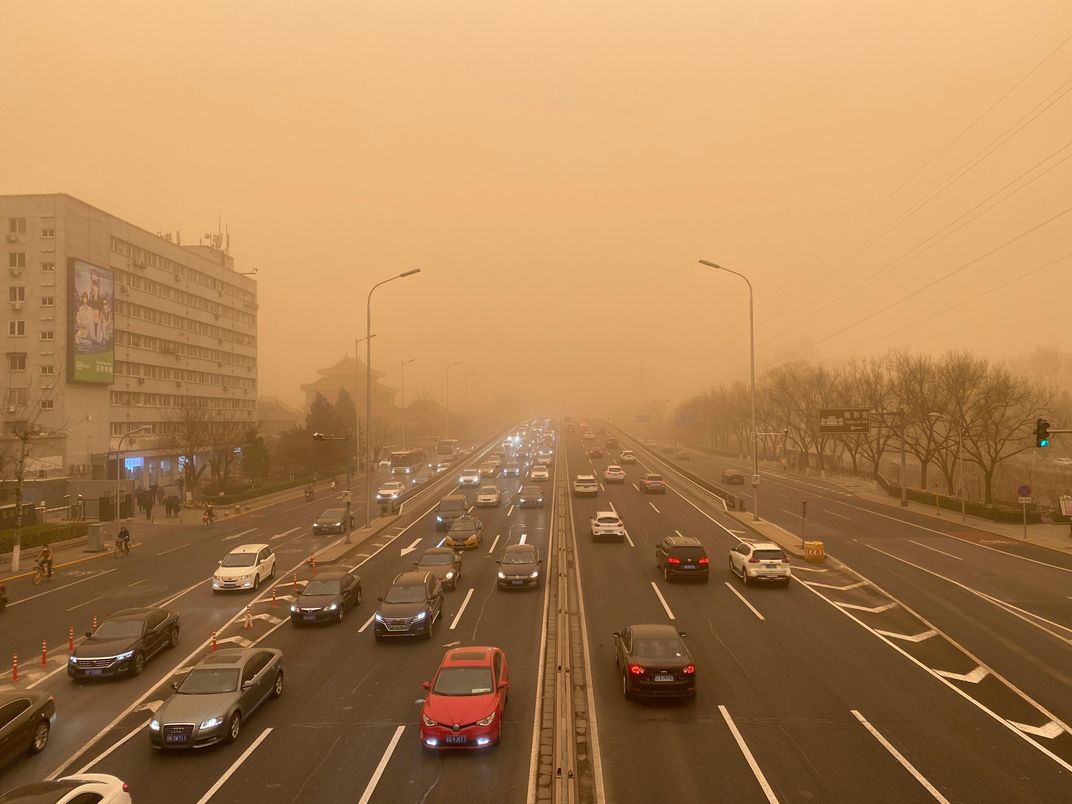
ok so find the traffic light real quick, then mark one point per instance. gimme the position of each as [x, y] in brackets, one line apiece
[1042, 433]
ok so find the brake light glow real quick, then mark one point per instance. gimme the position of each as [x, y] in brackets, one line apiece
[704, 560]
[673, 560]
[689, 669]
[636, 669]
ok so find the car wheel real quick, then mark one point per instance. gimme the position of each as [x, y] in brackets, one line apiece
[272, 573]
[625, 686]
[744, 576]
[234, 726]
[139, 663]
[340, 614]
[256, 582]
[173, 638]
[666, 574]
[357, 600]
[277, 690]
[40, 738]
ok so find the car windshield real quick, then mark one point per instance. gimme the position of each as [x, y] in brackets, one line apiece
[334, 514]
[659, 648]
[118, 629]
[769, 555]
[462, 525]
[322, 586]
[489, 490]
[210, 681]
[436, 559]
[463, 681]
[534, 491]
[655, 478]
[239, 560]
[518, 557]
[607, 520]
[405, 594]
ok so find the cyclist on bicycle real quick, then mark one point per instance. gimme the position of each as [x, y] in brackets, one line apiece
[122, 540]
[44, 561]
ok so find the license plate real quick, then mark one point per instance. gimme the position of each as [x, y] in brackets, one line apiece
[175, 739]
[664, 677]
[456, 739]
[690, 566]
[310, 615]
[517, 583]
[94, 672]
[770, 566]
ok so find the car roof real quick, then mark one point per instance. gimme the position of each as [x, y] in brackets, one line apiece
[607, 513]
[586, 477]
[228, 657]
[520, 548]
[133, 613]
[764, 546]
[331, 574]
[410, 578]
[685, 541]
[36, 696]
[333, 511]
[653, 476]
[653, 630]
[433, 551]
[249, 548]
[613, 466]
[472, 656]
[452, 497]
[484, 489]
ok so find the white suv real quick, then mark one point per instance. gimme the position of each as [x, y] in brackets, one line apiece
[585, 486]
[760, 561]
[607, 524]
[244, 568]
[470, 477]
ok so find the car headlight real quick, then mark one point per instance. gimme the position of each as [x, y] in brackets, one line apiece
[127, 654]
[486, 721]
[428, 721]
[502, 574]
[211, 723]
[154, 725]
[420, 616]
[378, 617]
[450, 575]
[333, 606]
[294, 607]
[535, 574]
[438, 518]
[72, 660]
[338, 524]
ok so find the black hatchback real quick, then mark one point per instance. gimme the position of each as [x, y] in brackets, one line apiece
[682, 557]
[124, 642]
[654, 662]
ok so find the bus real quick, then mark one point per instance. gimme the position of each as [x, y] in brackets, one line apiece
[407, 461]
[447, 449]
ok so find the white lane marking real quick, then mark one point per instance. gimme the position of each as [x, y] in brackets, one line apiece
[809, 569]
[171, 550]
[662, 600]
[136, 730]
[974, 677]
[523, 537]
[839, 516]
[653, 508]
[791, 513]
[168, 600]
[494, 542]
[58, 588]
[370, 788]
[744, 600]
[441, 541]
[636, 487]
[368, 622]
[844, 588]
[237, 763]
[143, 580]
[461, 609]
[284, 533]
[869, 609]
[510, 510]
[405, 551]
[935, 549]
[1049, 731]
[764, 785]
[629, 539]
[611, 504]
[919, 777]
[602, 487]
[922, 635]
[86, 602]
[679, 533]
[238, 535]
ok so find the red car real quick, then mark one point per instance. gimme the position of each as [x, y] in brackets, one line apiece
[652, 484]
[466, 699]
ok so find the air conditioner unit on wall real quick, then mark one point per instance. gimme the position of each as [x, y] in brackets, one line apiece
[12, 237]
[10, 408]
[16, 305]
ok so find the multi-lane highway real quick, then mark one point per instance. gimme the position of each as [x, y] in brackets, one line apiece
[831, 689]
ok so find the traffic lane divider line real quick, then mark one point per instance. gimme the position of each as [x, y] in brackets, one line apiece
[284, 533]
[461, 609]
[935, 549]
[494, 542]
[834, 513]
[764, 785]
[234, 766]
[628, 539]
[370, 788]
[112, 748]
[86, 603]
[13, 603]
[662, 600]
[171, 550]
[234, 536]
[653, 508]
[368, 622]
[908, 766]
[744, 600]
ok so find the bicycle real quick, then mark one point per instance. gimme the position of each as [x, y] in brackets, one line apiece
[40, 575]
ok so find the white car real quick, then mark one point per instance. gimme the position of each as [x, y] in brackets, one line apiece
[627, 456]
[585, 486]
[100, 788]
[244, 568]
[488, 497]
[390, 492]
[614, 474]
[760, 561]
[470, 477]
[539, 473]
[607, 524]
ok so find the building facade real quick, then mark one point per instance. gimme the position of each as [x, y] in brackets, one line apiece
[111, 330]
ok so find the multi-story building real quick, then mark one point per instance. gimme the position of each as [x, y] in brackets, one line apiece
[110, 331]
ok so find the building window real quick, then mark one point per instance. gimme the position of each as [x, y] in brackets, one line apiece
[47, 404]
[16, 328]
[16, 225]
[15, 396]
[16, 259]
[16, 294]
[48, 371]
[46, 335]
[48, 266]
[48, 301]
[16, 362]
[48, 232]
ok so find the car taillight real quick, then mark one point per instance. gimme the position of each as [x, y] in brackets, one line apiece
[126, 787]
[704, 560]
[673, 560]
[689, 669]
[636, 669]
[753, 560]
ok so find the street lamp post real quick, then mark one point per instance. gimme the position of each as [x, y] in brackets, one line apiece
[368, 386]
[119, 463]
[960, 460]
[357, 391]
[348, 494]
[752, 355]
[402, 372]
[446, 397]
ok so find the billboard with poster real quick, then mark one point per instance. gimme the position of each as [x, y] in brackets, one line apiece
[90, 323]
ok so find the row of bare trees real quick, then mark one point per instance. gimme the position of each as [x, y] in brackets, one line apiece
[940, 398]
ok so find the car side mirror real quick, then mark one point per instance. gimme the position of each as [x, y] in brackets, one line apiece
[89, 634]
[682, 634]
[247, 684]
[416, 563]
[504, 684]
[539, 560]
[426, 684]
[175, 686]
[616, 634]
[220, 562]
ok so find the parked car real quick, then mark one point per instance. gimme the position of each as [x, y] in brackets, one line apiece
[654, 662]
[26, 718]
[124, 642]
[326, 597]
[519, 566]
[682, 556]
[216, 697]
[444, 563]
[760, 562]
[244, 568]
[652, 484]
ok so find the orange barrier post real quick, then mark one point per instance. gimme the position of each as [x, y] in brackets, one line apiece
[274, 601]
[213, 641]
[295, 583]
[94, 626]
[70, 639]
[14, 667]
[248, 624]
[44, 652]
[312, 564]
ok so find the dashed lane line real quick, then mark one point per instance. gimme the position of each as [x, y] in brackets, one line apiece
[494, 542]
[653, 508]
[14, 603]
[370, 788]
[284, 533]
[461, 609]
[744, 600]
[919, 777]
[764, 785]
[662, 600]
[234, 766]
[238, 535]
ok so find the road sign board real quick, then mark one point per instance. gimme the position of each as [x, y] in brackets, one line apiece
[1024, 490]
[1025, 500]
[844, 420]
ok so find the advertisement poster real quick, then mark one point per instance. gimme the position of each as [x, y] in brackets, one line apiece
[90, 323]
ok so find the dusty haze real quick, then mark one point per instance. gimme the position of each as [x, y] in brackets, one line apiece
[557, 169]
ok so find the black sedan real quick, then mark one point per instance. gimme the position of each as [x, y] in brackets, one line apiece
[519, 567]
[25, 722]
[444, 563]
[124, 642]
[732, 476]
[333, 520]
[654, 662]
[530, 497]
[326, 598]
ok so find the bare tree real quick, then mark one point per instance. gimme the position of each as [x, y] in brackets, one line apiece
[227, 432]
[188, 434]
[920, 394]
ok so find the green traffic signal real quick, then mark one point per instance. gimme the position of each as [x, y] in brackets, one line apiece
[1042, 433]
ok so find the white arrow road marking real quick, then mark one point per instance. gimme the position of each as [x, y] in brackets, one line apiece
[871, 609]
[494, 542]
[974, 677]
[900, 758]
[238, 535]
[1049, 731]
[908, 638]
[461, 610]
[413, 546]
[238, 640]
[811, 569]
[856, 585]
[370, 788]
[150, 706]
[268, 618]
[284, 533]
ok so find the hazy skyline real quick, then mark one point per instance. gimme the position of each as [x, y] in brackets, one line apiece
[556, 172]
